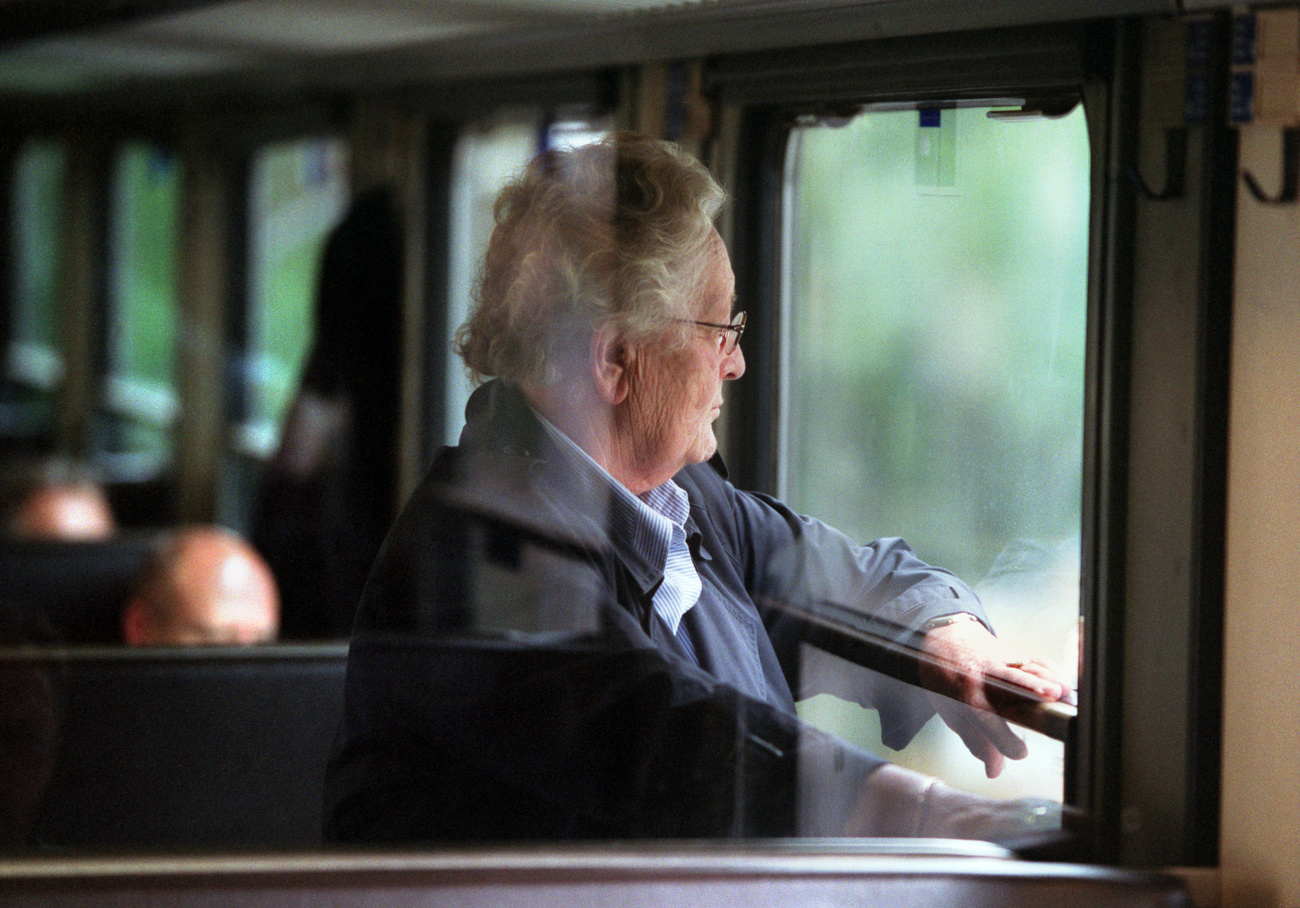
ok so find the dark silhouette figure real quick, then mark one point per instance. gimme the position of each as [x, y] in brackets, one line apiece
[329, 494]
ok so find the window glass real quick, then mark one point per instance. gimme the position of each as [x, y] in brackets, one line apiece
[298, 193]
[543, 706]
[488, 154]
[143, 300]
[35, 354]
[935, 332]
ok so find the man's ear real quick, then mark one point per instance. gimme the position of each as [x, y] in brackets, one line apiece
[135, 623]
[611, 362]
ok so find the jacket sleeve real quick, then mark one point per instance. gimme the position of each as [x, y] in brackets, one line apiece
[788, 560]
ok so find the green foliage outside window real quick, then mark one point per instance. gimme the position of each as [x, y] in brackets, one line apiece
[38, 220]
[938, 334]
[145, 254]
[144, 298]
[299, 192]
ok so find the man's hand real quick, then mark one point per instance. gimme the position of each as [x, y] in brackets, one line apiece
[958, 661]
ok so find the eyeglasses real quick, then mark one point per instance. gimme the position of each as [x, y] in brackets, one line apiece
[729, 335]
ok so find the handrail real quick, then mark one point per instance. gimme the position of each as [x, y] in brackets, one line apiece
[835, 630]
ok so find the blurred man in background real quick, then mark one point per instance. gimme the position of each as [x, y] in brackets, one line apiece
[205, 586]
[56, 499]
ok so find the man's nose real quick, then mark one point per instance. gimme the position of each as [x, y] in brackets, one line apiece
[733, 365]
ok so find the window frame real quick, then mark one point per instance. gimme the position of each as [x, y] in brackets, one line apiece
[1041, 773]
[1176, 790]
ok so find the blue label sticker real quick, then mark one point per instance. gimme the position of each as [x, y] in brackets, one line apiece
[1242, 104]
[1244, 44]
[1198, 43]
[1195, 99]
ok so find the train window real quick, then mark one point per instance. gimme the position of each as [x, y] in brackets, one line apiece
[298, 192]
[35, 355]
[936, 295]
[140, 388]
[488, 153]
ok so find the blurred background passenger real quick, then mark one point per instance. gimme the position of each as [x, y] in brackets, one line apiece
[205, 586]
[56, 499]
[329, 494]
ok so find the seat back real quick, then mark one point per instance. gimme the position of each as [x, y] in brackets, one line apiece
[192, 749]
[75, 589]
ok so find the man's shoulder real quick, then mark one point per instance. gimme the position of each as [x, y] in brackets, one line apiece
[515, 493]
[712, 497]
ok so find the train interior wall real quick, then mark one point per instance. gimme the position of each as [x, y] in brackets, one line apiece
[1260, 845]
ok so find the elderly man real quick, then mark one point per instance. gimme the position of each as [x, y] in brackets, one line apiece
[571, 631]
[204, 587]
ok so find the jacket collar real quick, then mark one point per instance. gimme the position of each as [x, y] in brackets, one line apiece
[499, 418]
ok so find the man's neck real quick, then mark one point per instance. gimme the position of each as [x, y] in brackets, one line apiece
[591, 425]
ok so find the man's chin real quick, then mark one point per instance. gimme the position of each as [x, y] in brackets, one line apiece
[704, 448]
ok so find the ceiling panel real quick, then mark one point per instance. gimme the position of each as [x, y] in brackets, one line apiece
[311, 27]
[175, 47]
[90, 45]
[76, 64]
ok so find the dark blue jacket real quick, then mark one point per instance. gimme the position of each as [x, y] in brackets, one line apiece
[508, 680]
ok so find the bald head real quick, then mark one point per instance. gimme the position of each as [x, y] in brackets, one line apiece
[205, 586]
[64, 512]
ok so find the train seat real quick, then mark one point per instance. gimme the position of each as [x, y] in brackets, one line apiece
[185, 748]
[72, 589]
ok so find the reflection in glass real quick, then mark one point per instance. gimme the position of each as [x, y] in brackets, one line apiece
[489, 153]
[328, 494]
[578, 628]
[514, 675]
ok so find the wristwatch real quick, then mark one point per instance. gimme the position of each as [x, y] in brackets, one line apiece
[945, 620]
